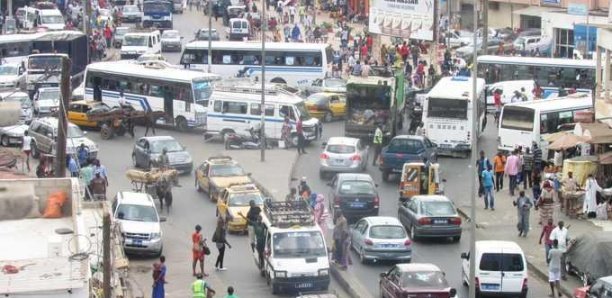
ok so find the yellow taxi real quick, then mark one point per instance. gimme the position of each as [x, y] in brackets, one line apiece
[326, 105]
[217, 173]
[78, 111]
[235, 201]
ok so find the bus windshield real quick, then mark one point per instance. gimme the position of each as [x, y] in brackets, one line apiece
[45, 62]
[447, 108]
[51, 19]
[135, 41]
[202, 91]
[155, 7]
[517, 118]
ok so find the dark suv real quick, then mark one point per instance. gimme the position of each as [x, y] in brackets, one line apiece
[403, 149]
[355, 195]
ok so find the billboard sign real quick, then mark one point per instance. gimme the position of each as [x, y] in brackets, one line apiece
[412, 19]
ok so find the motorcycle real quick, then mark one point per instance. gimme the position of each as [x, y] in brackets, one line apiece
[250, 141]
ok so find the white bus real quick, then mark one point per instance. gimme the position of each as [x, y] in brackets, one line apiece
[182, 94]
[447, 114]
[523, 123]
[237, 108]
[548, 72]
[15, 48]
[296, 64]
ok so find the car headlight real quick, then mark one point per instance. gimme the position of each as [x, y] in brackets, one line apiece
[323, 272]
[155, 236]
[280, 274]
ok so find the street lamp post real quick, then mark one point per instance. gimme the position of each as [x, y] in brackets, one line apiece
[262, 127]
[210, 35]
[474, 141]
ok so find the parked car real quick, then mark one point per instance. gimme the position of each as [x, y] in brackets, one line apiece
[492, 48]
[171, 39]
[415, 280]
[44, 133]
[343, 154]
[118, 36]
[334, 85]
[457, 40]
[131, 14]
[432, 216]
[501, 269]
[529, 43]
[139, 222]
[147, 151]
[203, 34]
[79, 111]
[602, 288]
[11, 76]
[355, 195]
[46, 101]
[326, 106]
[403, 149]
[587, 256]
[218, 172]
[506, 34]
[380, 238]
[12, 135]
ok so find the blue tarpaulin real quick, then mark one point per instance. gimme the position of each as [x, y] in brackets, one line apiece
[580, 37]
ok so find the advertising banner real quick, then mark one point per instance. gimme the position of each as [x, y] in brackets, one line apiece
[412, 19]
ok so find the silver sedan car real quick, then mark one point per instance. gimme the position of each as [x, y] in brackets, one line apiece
[378, 238]
[343, 155]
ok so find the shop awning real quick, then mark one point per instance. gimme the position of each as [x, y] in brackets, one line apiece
[534, 11]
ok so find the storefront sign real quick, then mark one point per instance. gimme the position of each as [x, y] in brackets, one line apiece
[412, 19]
[577, 9]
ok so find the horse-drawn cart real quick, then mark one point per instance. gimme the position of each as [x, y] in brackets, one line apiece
[156, 182]
[118, 121]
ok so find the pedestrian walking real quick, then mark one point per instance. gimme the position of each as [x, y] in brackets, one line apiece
[301, 138]
[286, 132]
[83, 155]
[546, 230]
[200, 288]
[340, 229]
[499, 162]
[591, 188]
[159, 278]
[554, 269]
[560, 233]
[537, 156]
[482, 164]
[320, 214]
[259, 229]
[513, 164]
[251, 218]
[98, 167]
[26, 143]
[536, 179]
[377, 142]
[487, 184]
[87, 174]
[523, 205]
[527, 168]
[149, 122]
[219, 238]
[545, 203]
[73, 168]
[98, 187]
[230, 293]
[197, 250]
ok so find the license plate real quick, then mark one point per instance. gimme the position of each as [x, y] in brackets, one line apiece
[440, 221]
[388, 245]
[303, 285]
[137, 242]
[445, 145]
[357, 205]
[490, 286]
[396, 170]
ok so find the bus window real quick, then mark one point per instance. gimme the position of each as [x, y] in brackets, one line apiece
[289, 60]
[217, 106]
[234, 107]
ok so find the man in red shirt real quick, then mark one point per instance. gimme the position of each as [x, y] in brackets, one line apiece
[498, 103]
[404, 51]
[364, 51]
[108, 35]
[369, 42]
[546, 230]
[197, 250]
[537, 91]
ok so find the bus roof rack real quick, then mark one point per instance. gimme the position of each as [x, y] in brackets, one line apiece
[284, 214]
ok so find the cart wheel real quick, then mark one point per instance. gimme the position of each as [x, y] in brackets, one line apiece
[106, 132]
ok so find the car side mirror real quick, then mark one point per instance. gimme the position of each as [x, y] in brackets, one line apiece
[464, 255]
[383, 274]
[162, 219]
[453, 292]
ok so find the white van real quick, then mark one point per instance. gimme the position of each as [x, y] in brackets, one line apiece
[235, 109]
[507, 89]
[295, 256]
[52, 19]
[26, 16]
[238, 29]
[501, 269]
[135, 44]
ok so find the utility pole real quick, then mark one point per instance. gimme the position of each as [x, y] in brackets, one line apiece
[10, 7]
[485, 27]
[448, 29]
[436, 32]
[87, 26]
[60, 143]
[106, 253]
[262, 127]
[210, 35]
[474, 99]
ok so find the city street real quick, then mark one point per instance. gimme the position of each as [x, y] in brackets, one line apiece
[442, 253]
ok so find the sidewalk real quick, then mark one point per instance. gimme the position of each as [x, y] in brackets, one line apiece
[501, 225]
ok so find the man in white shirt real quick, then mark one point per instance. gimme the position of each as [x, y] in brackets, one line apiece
[560, 234]
[26, 143]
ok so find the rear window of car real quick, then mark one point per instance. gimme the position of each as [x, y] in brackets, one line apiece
[501, 262]
[405, 146]
[437, 208]
[356, 188]
[387, 232]
[423, 279]
[340, 149]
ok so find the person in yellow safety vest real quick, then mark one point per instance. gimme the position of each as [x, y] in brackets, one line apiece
[378, 139]
[199, 287]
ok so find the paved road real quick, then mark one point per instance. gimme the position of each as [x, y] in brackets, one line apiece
[443, 253]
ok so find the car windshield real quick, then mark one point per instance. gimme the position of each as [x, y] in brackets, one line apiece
[226, 170]
[335, 83]
[136, 213]
[387, 232]
[318, 99]
[170, 145]
[134, 40]
[301, 107]
[202, 91]
[49, 95]
[298, 244]
[24, 100]
[340, 149]
[423, 279]
[437, 208]
[130, 9]
[356, 187]
[170, 34]
[9, 70]
[52, 19]
[75, 132]
[243, 199]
